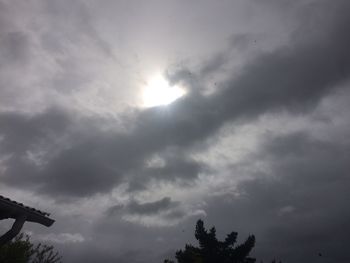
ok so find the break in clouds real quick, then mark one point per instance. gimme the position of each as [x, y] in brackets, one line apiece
[258, 144]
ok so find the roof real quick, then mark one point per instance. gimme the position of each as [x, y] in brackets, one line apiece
[13, 209]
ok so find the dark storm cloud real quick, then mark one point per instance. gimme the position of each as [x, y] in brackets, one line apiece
[300, 207]
[185, 169]
[147, 208]
[176, 166]
[214, 64]
[304, 163]
[92, 252]
[15, 47]
[242, 41]
[313, 180]
[293, 77]
[86, 160]
[151, 207]
[21, 131]
[80, 166]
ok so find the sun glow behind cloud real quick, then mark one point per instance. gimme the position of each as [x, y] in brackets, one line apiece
[159, 92]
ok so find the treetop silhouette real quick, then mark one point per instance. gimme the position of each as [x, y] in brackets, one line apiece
[211, 250]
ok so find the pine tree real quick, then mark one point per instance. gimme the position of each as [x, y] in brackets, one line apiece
[211, 250]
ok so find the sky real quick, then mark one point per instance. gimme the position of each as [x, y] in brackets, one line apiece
[130, 120]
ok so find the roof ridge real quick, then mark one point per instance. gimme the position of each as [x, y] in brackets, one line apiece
[24, 206]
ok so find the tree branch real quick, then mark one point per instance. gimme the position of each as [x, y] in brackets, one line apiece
[14, 231]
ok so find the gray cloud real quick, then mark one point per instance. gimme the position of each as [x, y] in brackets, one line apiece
[296, 207]
[299, 208]
[147, 208]
[86, 160]
[21, 131]
[15, 47]
[294, 78]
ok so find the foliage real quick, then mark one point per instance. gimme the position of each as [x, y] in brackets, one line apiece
[22, 250]
[211, 250]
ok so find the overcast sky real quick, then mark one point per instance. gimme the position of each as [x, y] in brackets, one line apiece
[258, 144]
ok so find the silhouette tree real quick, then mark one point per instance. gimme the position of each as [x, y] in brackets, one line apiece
[22, 250]
[211, 250]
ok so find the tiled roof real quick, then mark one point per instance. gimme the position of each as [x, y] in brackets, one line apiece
[2, 198]
[11, 209]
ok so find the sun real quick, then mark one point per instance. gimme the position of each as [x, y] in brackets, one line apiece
[159, 92]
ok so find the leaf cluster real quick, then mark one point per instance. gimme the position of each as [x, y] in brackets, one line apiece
[22, 250]
[211, 250]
